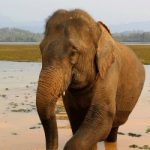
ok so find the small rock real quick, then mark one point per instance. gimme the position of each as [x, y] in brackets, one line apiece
[133, 146]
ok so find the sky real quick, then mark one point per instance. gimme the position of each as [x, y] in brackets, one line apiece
[108, 11]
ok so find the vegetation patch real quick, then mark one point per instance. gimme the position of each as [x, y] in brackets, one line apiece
[148, 130]
[133, 146]
[144, 147]
[121, 133]
[22, 110]
[143, 52]
[35, 127]
[23, 53]
[13, 104]
[134, 135]
[32, 53]
[132, 36]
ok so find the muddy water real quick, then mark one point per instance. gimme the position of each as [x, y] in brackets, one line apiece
[20, 128]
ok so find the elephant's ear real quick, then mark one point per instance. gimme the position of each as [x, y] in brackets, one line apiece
[105, 51]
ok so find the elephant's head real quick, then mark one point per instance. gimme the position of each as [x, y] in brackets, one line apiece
[71, 57]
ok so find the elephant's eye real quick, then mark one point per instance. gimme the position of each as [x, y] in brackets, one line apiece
[74, 56]
[73, 52]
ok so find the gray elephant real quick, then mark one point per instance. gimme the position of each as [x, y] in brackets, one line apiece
[102, 80]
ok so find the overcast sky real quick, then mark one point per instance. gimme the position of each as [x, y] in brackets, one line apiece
[109, 11]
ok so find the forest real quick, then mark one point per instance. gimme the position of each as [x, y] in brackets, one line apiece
[19, 35]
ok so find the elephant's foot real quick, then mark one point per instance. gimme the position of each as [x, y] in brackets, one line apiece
[112, 137]
[78, 145]
[74, 145]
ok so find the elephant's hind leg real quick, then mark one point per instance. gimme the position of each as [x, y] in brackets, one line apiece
[112, 137]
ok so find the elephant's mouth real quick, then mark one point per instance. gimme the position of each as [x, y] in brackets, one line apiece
[77, 88]
[80, 84]
[74, 82]
[77, 83]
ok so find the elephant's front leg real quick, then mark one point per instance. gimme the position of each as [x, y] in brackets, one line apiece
[50, 127]
[98, 121]
[95, 127]
[78, 145]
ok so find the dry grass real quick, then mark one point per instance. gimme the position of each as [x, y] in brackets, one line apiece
[32, 52]
[20, 53]
[143, 52]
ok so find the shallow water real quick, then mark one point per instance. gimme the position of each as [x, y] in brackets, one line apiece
[21, 130]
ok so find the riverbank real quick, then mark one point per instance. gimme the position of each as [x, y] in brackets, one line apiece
[20, 127]
[31, 52]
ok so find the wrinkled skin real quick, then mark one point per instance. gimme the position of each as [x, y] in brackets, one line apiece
[102, 80]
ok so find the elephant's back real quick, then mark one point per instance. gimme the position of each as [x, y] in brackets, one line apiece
[131, 67]
[130, 84]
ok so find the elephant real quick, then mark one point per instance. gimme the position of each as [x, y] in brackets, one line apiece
[99, 79]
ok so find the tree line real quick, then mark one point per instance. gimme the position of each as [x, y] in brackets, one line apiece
[19, 35]
[134, 36]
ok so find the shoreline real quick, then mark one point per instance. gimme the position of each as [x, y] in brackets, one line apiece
[37, 43]
[29, 61]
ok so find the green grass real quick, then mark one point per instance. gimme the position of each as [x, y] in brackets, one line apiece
[143, 52]
[20, 53]
[32, 52]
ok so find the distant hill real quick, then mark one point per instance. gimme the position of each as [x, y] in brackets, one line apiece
[18, 35]
[133, 26]
[38, 26]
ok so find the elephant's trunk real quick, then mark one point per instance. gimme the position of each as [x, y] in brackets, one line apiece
[50, 87]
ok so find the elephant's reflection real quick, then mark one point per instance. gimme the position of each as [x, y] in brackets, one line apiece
[107, 146]
[110, 146]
